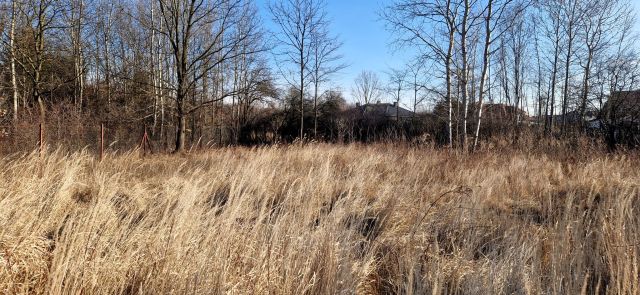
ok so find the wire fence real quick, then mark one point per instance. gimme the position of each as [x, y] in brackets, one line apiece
[98, 137]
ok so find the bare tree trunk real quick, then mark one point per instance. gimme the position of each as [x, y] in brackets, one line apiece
[78, 60]
[315, 109]
[234, 98]
[302, 66]
[539, 82]
[107, 54]
[399, 90]
[570, 36]
[448, 82]
[585, 89]
[154, 72]
[465, 74]
[485, 66]
[39, 58]
[565, 96]
[518, 52]
[14, 84]
[181, 95]
[316, 78]
[554, 74]
[161, 83]
[416, 88]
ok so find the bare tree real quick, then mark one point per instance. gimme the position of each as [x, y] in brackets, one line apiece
[450, 20]
[517, 41]
[397, 84]
[12, 52]
[156, 69]
[326, 62]
[571, 17]
[466, 25]
[601, 20]
[103, 52]
[367, 87]
[551, 14]
[297, 21]
[185, 23]
[75, 18]
[251, 77]
[42, 16]
[430, 26]
[491, 22]
[540, 74]
[417, 69]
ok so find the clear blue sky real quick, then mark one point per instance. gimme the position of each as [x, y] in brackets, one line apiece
[357, 24]
[636, 3]
[366, 42]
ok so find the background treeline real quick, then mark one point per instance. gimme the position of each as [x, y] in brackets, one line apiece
[559, 60]
[210, 72]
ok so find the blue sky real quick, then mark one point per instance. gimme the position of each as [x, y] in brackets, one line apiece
[636, 3]
[365, 47]
[366, 42]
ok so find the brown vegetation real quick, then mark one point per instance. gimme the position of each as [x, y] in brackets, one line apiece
[321, 219]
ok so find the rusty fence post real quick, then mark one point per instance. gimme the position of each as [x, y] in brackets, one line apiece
[145, 144]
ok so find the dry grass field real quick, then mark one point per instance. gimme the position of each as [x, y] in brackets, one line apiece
[321, 219]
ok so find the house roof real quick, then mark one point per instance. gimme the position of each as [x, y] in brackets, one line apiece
[628, 96]
[624, 106]
[575, 116]
[385, 110]
[500, 111]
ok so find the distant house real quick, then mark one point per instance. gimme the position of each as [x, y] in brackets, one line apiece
[575, 116]
[384, 111]
[623, 107]
[502, 112]
[376, 121]
[592, 121]
[621, 118]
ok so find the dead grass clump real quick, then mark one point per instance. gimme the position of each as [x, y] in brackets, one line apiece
[83, 194]
[218, 199]
[24, 264]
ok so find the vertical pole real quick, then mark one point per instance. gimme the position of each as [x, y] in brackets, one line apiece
[41, 143]
[101, 142]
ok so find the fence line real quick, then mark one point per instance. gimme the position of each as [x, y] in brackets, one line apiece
[145, 143]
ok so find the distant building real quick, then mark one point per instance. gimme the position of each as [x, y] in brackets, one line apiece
[384, 111]
[575, 117]
[623, 107]
[502, 112]
[592, 120]
[621, 118]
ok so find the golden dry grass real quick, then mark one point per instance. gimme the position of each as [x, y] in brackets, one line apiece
[320, 219]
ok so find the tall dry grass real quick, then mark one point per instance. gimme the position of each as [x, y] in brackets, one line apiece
[320, 219]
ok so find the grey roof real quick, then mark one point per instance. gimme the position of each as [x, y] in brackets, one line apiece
[385, 110]
[623, 106]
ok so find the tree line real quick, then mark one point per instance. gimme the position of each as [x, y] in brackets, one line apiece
[194, 69]
[558, 59]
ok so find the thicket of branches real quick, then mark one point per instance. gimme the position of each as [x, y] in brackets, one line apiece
[560, 60]
[208, 71]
